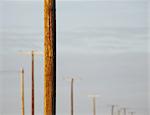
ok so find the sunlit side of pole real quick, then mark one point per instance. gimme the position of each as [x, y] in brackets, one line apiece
[22, 91]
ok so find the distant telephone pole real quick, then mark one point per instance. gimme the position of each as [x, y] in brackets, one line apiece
[32, 92]
[119, 112]
[72, 92]
[22, 90]
[94, 102]
[49, 57]
[21, 72]
[71, 80]
[113, 109]
[132, 113]
[124, 111]
[32, 53]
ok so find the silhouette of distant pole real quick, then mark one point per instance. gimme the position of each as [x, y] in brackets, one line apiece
[119, 112]
[72, 97]
[132, 113]
[94, 106]
[124, 111]
[94, 102]
[112, 109]
[71, 80]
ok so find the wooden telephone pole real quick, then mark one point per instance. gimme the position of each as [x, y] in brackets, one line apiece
[49, 57]
[94, 102]
[124, 111]
[113, 109]
[71, 80]
[22, 90]
[32, 53]
[21, 72]
[132, 113]
[72, 97]
[32, 83]
[119, 112]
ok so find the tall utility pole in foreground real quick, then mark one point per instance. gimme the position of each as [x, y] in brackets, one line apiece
[94, 102]
[49, 57]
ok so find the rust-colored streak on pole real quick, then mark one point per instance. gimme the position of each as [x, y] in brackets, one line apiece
[22, 91]
[32, 92]
[49, 57]
[72, 106]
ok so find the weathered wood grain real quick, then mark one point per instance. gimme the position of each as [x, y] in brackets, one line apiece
[49, 57]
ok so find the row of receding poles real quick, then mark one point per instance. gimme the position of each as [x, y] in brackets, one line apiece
[32, 53]
[72, 97]
[49, 53]
[119, 110]
[93, 97]
[124, 110]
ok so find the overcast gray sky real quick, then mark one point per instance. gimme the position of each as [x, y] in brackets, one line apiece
[105, 43]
